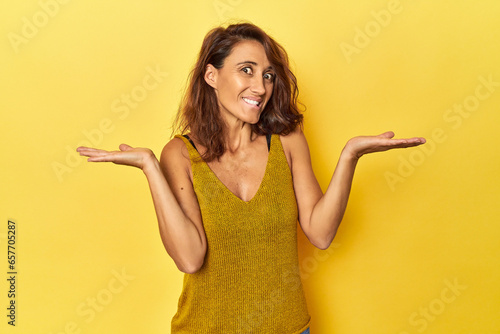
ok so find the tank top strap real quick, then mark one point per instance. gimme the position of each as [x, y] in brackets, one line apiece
[192, 143]
[192, 150]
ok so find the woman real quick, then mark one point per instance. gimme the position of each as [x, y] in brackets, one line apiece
[228, 194]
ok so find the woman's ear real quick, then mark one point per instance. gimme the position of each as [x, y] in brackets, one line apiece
[211, 75]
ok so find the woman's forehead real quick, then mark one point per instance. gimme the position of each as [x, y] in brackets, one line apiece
[251, 52]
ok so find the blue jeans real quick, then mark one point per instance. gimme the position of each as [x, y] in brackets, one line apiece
[306, 331]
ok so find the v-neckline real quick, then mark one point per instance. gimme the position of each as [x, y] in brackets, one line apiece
[261, 182]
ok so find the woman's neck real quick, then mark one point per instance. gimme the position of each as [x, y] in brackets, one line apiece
[238, 136]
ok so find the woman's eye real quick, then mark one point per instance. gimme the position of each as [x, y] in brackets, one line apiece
[248, 70]
[270, 76]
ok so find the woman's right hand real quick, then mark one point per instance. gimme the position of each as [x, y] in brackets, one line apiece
[137, 157]
[176, 206]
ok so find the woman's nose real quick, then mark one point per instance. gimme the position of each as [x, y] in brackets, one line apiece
[258, 86]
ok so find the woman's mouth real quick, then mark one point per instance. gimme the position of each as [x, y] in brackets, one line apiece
[253, 103]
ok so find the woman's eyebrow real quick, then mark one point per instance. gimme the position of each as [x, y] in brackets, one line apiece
[253, 63]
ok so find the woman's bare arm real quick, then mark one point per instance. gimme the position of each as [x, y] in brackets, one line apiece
[321, 214]
[176, 206]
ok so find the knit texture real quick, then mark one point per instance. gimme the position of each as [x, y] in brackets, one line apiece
[249, 282]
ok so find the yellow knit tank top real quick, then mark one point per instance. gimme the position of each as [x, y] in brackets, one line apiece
[249, 281]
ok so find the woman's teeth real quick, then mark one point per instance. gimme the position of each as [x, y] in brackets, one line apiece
[255, 103]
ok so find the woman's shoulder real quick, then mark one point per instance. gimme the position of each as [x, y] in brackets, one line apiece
[295, 137]
[174, 146]
[294, 145]
[175, 155]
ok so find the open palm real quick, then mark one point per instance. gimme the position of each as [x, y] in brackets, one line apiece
[129, 156]
[361, 145]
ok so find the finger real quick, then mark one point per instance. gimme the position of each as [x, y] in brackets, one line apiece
[401, 143]
[415, 140]
[84, 148]
[422, 140]
[388, 134]
[93, 152]
[103, 158]
[125, 147]
[86, 151]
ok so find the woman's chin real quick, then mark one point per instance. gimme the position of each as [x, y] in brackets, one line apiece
[252, 119]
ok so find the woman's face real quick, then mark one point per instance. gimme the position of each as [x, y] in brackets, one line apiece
[244, 84]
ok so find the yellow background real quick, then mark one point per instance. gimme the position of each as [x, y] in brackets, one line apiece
[415, 224]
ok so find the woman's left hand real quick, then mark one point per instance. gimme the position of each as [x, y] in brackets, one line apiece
[359, 146]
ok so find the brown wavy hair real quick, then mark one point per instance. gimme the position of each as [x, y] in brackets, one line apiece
[199, 111]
